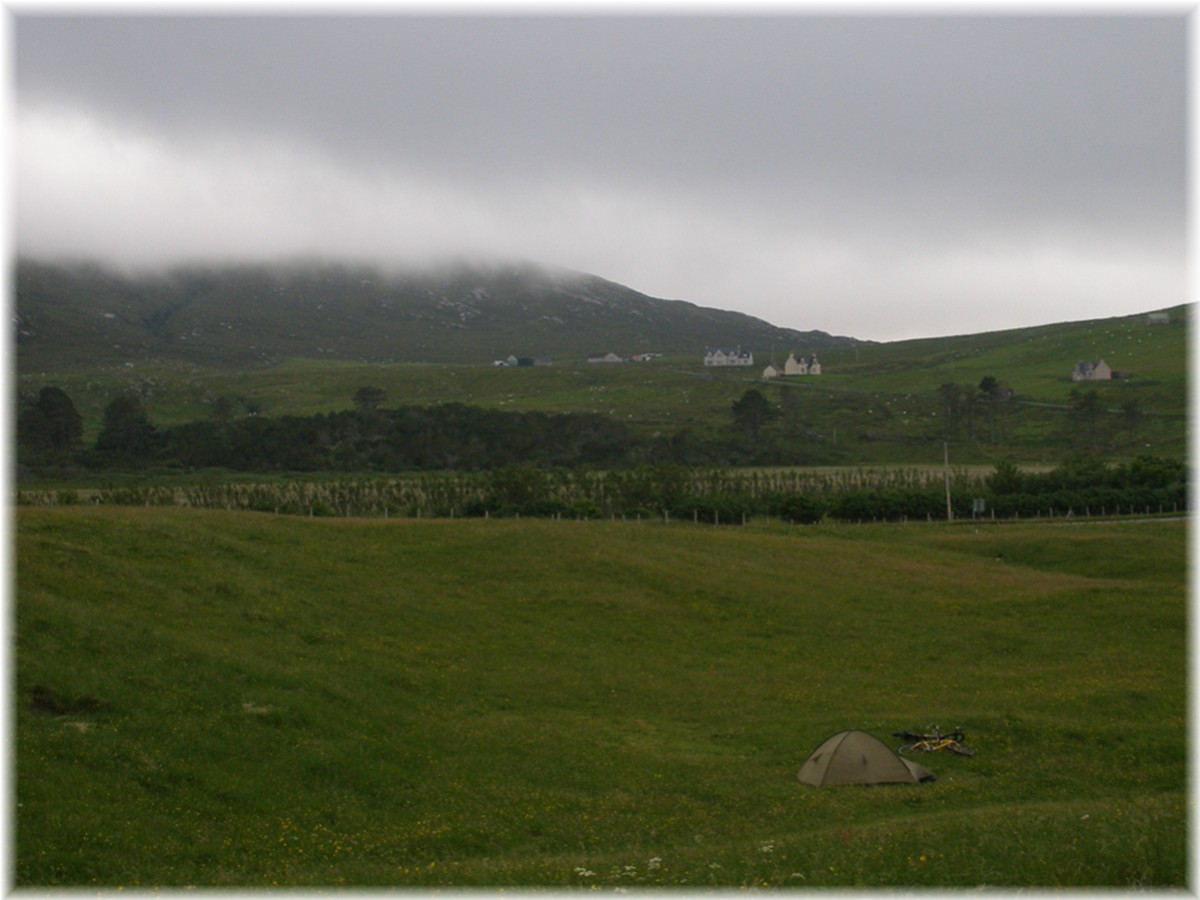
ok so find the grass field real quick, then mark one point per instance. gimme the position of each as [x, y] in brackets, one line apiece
[877, 403]
[234, 700]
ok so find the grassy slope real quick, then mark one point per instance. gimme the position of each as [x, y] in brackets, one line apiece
[885, 389]
[240, 316]
[250, 700]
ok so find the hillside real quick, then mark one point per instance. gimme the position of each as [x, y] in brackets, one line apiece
[253, 315]
[96, 336]
[876, 403]
[217, 699]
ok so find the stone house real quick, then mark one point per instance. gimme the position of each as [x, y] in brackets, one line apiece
[805, 365]
[1092, 370]
[725, 356]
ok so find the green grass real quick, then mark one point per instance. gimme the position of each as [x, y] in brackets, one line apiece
[886, 391]
[218, 699]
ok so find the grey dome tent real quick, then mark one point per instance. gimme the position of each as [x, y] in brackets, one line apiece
[855, 757]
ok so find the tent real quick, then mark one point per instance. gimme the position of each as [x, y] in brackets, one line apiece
[855, 757]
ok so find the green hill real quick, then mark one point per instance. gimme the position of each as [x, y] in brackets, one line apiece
[289, 342]
[227, 700]
[255, 315]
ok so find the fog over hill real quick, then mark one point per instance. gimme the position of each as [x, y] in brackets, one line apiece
[468, 313]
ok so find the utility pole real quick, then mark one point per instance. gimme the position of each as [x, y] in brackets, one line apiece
[946, 473]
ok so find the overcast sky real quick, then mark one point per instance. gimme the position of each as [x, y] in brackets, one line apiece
[876, 175]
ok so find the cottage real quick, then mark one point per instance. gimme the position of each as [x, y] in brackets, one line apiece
[770, 372]
[1092, 370]
[725, 356]
[805, 365]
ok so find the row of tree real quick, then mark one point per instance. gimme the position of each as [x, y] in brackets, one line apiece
[672, 492]
[370, 438]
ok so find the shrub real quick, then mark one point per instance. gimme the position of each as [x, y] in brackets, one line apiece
[799, 508]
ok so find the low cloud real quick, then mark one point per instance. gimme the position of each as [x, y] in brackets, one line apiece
[874, 176]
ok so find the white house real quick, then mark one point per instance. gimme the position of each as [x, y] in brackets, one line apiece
[725, 356]
[805, 365]
[1091, 370]
[770, 372]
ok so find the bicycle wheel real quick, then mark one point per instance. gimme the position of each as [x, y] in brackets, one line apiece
[958, 748]
[906, 748]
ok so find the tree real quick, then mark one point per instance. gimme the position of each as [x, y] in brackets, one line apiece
[1007, 479]
[222, 412]
[1085, 416]
[989, 387]
[369, 399]
[970, 405]
[1132, 415]
[51, 424]
[948, 395]
[789, 409]
[127, 431]
[751, 412]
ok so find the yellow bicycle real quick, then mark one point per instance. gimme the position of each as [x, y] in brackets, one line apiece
[931, 743]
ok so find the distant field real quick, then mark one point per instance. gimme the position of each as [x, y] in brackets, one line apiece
[239, 700]
[878, 403]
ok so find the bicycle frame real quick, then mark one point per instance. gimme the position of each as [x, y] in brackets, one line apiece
[931, 743]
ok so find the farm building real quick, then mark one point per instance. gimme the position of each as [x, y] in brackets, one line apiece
[1092, 370]
[725, 356]
[805, 365]
[604, 358]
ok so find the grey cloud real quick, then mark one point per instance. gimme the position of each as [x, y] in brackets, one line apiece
[845, 143]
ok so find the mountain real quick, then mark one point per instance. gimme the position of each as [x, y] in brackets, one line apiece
[251, 314]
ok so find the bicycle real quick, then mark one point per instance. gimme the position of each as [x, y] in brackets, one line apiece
[931, 743]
